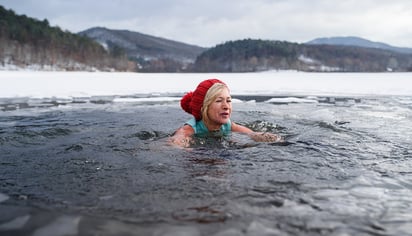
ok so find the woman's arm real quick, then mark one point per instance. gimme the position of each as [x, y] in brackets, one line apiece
[240, 128]
[257, 136]
[183, 136]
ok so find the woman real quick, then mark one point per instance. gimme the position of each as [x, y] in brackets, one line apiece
[211, 107]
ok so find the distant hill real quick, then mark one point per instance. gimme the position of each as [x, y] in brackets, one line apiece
[30, 43]
[358, 42]
[151, 53]
[250, 55]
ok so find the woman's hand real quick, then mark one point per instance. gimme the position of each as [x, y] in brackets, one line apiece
[265, 137]
[257, 136]
[180, 141]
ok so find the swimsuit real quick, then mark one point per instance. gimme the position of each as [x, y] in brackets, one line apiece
[201, 129]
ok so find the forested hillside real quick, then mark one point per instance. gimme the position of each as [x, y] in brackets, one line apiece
[259, 55]
[151, 54]
[27, 42]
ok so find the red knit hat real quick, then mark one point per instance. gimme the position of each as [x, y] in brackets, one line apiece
[192, 102]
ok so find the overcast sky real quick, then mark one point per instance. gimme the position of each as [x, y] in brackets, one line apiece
[210, 22]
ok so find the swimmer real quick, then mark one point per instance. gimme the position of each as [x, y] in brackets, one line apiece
[211, 107]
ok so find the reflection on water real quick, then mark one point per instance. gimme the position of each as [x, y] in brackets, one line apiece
[107, 169]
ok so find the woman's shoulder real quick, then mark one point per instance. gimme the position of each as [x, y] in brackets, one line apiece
[185, 130]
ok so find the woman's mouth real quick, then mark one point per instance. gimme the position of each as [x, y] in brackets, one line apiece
[224, 114]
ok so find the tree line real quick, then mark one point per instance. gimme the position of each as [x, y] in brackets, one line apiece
[250, 55]
[25, 41]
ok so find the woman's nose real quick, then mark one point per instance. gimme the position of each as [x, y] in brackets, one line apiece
[225, 105]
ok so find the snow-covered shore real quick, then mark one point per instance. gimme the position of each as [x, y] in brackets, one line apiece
[37, 84]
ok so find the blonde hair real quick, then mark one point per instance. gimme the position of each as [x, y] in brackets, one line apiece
[211, 95]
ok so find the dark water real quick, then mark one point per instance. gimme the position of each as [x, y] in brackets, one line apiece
[104, 168]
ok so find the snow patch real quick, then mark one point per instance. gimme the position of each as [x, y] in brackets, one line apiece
[306, 60]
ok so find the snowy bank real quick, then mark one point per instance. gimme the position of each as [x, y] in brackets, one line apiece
[87, 84]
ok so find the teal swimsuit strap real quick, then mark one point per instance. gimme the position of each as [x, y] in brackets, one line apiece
[200, 128]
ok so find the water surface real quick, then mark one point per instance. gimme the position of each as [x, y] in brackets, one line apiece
[101, 167]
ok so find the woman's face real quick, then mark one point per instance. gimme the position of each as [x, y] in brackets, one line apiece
[220, 109]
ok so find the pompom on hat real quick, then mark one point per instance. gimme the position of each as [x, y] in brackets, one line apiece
[192, 102]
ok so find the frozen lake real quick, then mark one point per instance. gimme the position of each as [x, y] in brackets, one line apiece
[87, 154]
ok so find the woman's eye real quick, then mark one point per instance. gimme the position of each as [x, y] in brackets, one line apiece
[221, 100]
